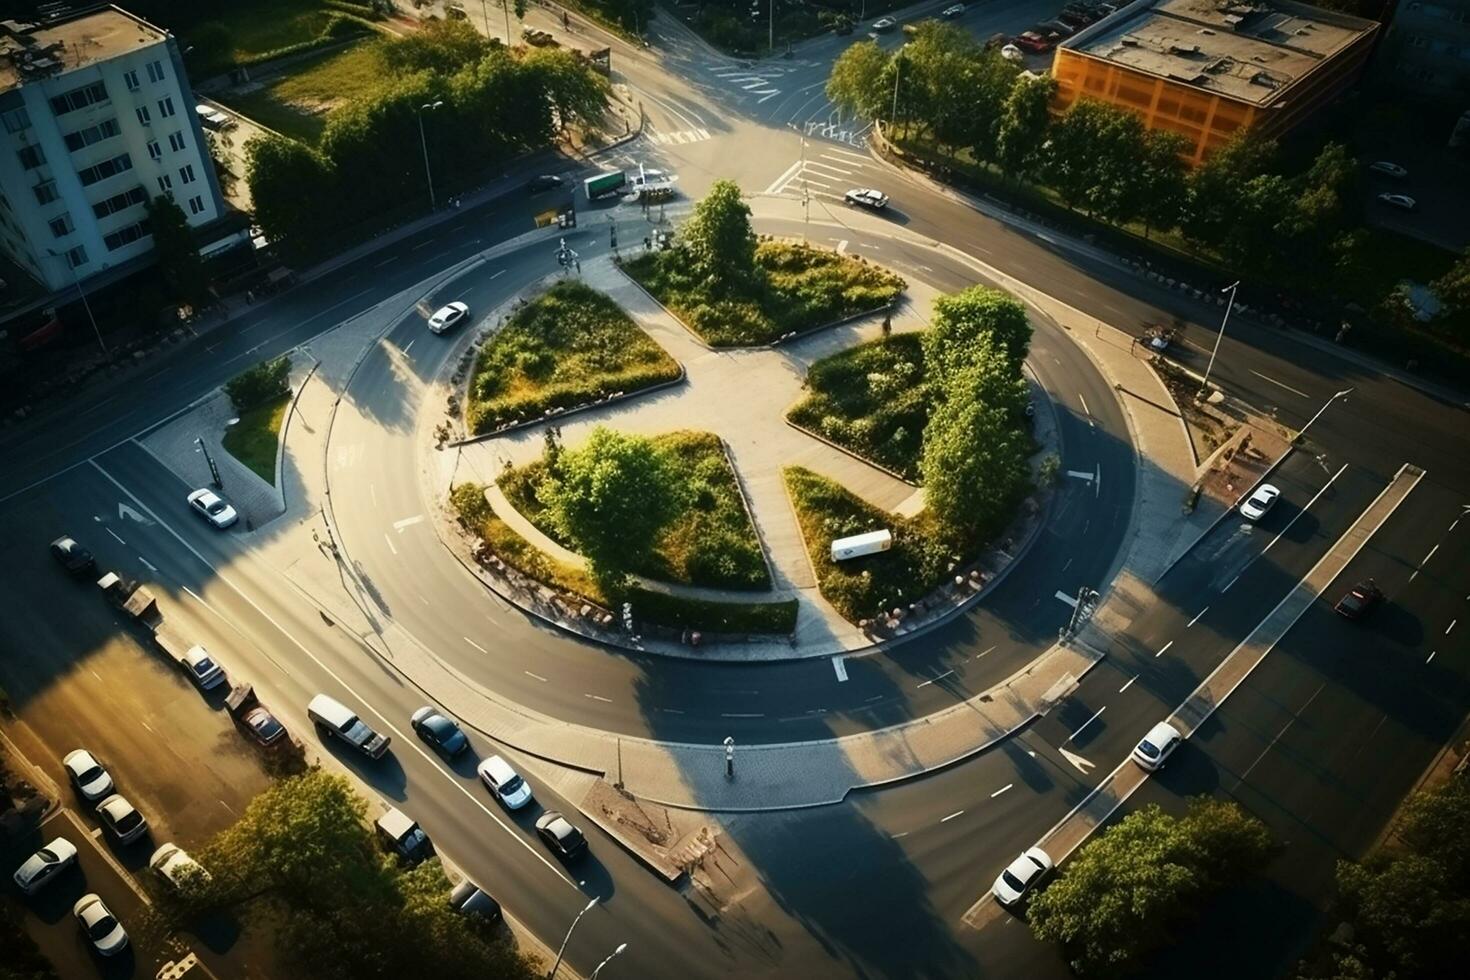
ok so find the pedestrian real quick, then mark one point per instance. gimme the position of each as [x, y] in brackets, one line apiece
[566, 23]
[249, 296]
[887, 324]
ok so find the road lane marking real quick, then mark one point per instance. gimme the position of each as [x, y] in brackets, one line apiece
[147, 565]
[1422, 562]
[1165, 649]
[876, 697]
[537, 676]
[1129, 684]
[409, 346]
[1068, 599]
[957, 813]
[598, 697]
[114, 534]
[1294, 391]
[840, 666]
[1453, 524]
[1001, 790]
[1291, 721]
[1086, 410]
[407, 522]
[390, 543]
[842, 246]
[939, 678]
[1308, 507]
[387, 261]
[983, 653]
[1431, 655]
[742, 714]
[1197, 616]
[1086, 723]
[898, 836]
[1231, 582]
[476, 645]
[1450, 627]
[423, 244]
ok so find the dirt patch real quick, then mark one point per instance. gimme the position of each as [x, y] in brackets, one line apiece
[1210, 423]
[1236, 467]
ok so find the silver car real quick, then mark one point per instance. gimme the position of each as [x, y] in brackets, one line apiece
[122, 819]
[1255, 508]
[101, 928]
[213, 508]
[44, 865]
[448, 317]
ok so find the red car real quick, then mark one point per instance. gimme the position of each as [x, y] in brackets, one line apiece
[1360, 600]
[1033, 42]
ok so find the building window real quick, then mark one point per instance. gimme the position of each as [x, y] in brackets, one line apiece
[166, 184]
[45, 192]
[76, 257]
[196, 205]
[166, 107]
[120, 202]
[125, 236]
[104, 169]
[186, 173]
[143, 116]
[130, 79]
[16, 119]
[31, 157]
[79, 98]
[176, 141]
[154, 150]
[155, 71]
[61, 226]
[106, 129]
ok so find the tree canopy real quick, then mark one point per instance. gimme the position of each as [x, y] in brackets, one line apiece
[963, 319]
[856, 84]
[178, 254]
[720, 241]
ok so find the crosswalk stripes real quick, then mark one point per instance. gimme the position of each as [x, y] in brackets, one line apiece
[826, 171]
[681, 136]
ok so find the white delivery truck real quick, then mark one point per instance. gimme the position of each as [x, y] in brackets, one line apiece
[858, 545]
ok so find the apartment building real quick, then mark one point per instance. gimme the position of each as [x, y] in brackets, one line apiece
[96, 118]
[1427, 48]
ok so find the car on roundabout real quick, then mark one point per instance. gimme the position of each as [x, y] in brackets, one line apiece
[1021, 877]
[1388, 169]
[447, 317]
[1255, 507]
[1401, 201]
[213, 508]
[558, 834]
[953, 11]
[884, 24]
[866, 197]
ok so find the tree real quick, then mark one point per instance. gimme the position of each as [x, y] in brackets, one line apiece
[1437, 822]
[611, 498]
[963, 320]
[178, 254]
[439, 46]
[1453, 288]
[282, 173]
[1408, 911]
[860, 83]
[1217, 185]
[1024, 120]
[1163, 183]
[1125, 891]
[973, 461]
[1096, 159]
[573, 92]
[720, 242]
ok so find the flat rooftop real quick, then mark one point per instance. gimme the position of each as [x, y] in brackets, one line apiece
[1250, 51]
[31, 52]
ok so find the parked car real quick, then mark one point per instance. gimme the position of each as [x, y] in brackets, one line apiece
[953, 11]
[100, 926]
[44, 865]
[1402, 201]
[262, 725]
[866, 197]
[1021, 876]
[557, 833]
[1156, 747]
[212, 118]
[202, 669]
[537, 38]
[403, 836]
[177, 869]
[507, 785]
[213, 508]
[1058, 29]
[334, 718]
[470, 899]
[447, 317]
[1259, 502]
[1012, 53]
[1033, 42]
[87, 774]
[884, 24]
[1079, 17]
[440, 732]
[1388, 169]
[121, 819]
[1359, 600]
[73, 557]
[542, 183]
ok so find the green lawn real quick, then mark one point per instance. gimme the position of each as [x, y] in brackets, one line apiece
[569, 346]
[255, 438]
[258, 26]
[872, 400]
[297, 104]
[712, 543]
[804, 287]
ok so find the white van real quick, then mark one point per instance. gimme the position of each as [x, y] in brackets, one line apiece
[333, 718]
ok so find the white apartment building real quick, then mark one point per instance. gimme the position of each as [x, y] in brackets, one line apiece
[96, 118]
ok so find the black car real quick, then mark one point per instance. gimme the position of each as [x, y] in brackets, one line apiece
[73, 557]
[545, 182]
[557, 833]
[1360, 600]
[471, 900]
[440, 732]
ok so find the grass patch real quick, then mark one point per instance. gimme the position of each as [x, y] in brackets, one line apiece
[872, 400]
[258, 26]
[569, 346]
[255, 439]
[711, 544]
[673, 612]
[296, 105]
[804, 287]
[859, 588]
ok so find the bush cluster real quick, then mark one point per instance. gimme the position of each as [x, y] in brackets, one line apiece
[339, 27]
[259, 384]
[680, 612]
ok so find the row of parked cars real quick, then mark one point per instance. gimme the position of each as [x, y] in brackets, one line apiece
[1049, 33]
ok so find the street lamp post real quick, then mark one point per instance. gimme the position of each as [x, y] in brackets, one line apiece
[609, 959]
[568, 938]
[1341, 394]
[897, 71]
[213, 470]
[77, 280]
[424, 144]
[771, 35]
[1205, 385]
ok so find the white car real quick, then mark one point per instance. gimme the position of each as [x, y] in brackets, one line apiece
[87, 775]
[884, 24]
[1402, 201]
[1024, 873]
[44, 865]
[101, 928]
[213, 508]
[202, 669]
[122, 819]
[448, 317]
[1012, 53]
[173, 864]
[866, 197]
[1157, 746]
[1388, 169]
[1255, 508]
[953, 11]
[507, 785]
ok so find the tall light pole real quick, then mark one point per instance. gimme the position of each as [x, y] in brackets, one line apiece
[77, 280]
[806, 197]
[771, 35]
[897, 70]
[568, 938]
[1205, 385]
[485, 13]
[1341, 394]
[607, 961]
[505, 6]
[425, 145]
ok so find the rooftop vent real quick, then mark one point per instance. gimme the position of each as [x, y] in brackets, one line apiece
[1184, 50]
[1265, 80]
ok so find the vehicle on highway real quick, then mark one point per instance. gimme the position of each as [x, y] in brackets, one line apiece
[953, 11]
[447, 317]
[177, 869]
[44, 865]
[1359, 600]
[1388, 169]
[507, 785]
[543, 183]
[1401, 201]
[557, 833]
[866, 197]
[100, 926]
[440, 732]
[884, 24]
[73, 557]
[1022, 875]
[470, 899]
[334, 718]
[1254, 508]
[1033, 42]
[262, 726]
[121, 819]
[402, 835]
[213, 508]
[91, 780]
[1012, 53]
[202, 669]
[1155, 748]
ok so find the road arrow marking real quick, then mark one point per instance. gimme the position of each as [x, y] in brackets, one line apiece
[1080, 475]
[406, 522]
[1082, 764]
[1069, 600]
[840, 666]
[126, 512]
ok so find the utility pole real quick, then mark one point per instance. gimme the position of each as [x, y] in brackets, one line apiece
[897, 71]
[424, 143]
[1204, 388]
[213, 470]
[806, 196]
[485, 13]
[771, 37]
[1341, 394]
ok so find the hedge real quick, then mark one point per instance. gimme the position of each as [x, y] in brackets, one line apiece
[339, 27]
[715, 617]
[259, 384]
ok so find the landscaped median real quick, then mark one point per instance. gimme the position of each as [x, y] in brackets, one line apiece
[262, 396]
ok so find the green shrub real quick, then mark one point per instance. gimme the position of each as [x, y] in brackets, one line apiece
[469, 503]
[338, 27]
[260, 383]
[679, 612]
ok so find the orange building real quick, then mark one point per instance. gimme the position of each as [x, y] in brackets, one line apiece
[1206, 68]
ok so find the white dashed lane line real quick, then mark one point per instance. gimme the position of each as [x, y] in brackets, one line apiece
[1001, 790]
[1197, 616]
[598, 697]
[475, 645]
[1165, 649]
[957, 813]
